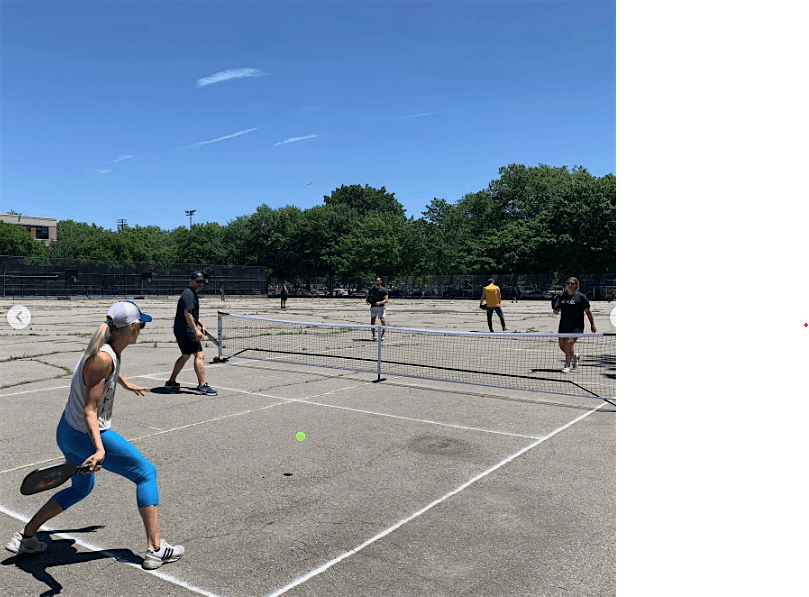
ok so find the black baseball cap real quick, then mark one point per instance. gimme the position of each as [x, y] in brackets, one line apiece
[197, 277]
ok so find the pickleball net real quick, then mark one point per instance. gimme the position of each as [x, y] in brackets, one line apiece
[520, 361]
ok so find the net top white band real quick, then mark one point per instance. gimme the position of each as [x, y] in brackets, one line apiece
[419, 330]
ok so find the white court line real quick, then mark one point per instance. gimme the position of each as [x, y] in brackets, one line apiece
[161, 432]
[327, 565]
[284, 401]
[167, 577]
[30, 391]
[370, 412]
[67, 386]
[389, 530]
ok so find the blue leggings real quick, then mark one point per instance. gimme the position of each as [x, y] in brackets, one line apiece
[121, 458]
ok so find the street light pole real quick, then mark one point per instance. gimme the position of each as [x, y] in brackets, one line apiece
[190, 213]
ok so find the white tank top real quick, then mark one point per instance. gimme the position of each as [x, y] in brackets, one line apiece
[74, 407]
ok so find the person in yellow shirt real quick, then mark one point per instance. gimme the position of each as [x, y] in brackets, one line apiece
[491, 296]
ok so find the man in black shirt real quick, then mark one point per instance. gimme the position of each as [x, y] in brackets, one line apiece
[188, 331]
[574, 306]
[377, 297]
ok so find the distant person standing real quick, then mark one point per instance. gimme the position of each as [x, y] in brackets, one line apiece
[517, 294]
[574, 306]
[188, 331]
[491, 296]
[377, 298]
[222, 292]
[284, 295]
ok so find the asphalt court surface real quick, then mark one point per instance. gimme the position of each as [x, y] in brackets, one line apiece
[406, 487]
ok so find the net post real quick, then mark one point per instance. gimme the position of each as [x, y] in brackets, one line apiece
[379, 353]
[219, 335]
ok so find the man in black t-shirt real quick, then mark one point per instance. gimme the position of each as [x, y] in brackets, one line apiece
[573, 306]
[377, 297]
[188, 331]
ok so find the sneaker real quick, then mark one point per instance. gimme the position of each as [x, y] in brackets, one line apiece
[206, 390]
[174, 386]
[506, 329]
[25, 545]
[575, 361]
[166, 554]
[566, 368]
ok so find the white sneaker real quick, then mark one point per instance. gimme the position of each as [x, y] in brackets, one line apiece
[566, 368]
[25, 545]
[575, 360]
[166, 554]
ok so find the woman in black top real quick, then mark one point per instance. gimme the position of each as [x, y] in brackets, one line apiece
[574, 306]
[284, 294]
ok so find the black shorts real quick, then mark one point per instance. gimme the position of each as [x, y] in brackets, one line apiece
[573, 331]
[189, 345]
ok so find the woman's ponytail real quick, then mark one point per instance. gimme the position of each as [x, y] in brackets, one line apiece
[100, 338]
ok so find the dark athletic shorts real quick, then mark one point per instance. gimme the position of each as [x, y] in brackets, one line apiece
[189, 345]
[573, 331]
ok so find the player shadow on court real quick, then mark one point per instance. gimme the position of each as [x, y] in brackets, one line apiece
[61, 552]
[162, 390]
[600, 362]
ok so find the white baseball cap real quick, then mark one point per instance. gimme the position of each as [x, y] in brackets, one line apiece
[124, 313]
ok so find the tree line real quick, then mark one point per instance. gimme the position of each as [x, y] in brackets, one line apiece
[540, 219]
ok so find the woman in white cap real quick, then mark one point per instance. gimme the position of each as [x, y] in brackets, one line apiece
[84, 437]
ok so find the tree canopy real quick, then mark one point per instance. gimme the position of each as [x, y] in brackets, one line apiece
[531, 219]
[16, 240]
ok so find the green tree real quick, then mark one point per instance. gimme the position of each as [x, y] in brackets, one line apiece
[201, 244]
[544, 219]
[151, 244]
[275, 230]
[376, 245]
[236, 238]
[107, 246]
[315, 236]
[70, 235]
[16, 240]
[441, 236]
[365, 200]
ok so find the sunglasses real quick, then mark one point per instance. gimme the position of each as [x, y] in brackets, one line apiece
[142, 324]
[571, 284]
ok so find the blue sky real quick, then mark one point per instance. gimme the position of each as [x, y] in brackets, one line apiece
[142, 110]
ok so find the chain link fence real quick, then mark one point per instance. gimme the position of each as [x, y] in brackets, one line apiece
[531, 286]
[68, 277]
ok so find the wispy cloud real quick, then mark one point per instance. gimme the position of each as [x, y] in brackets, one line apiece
[121, 158]
[415, 115]
[293, 139]
[244, 132]
[227, 75]
[99, 171]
